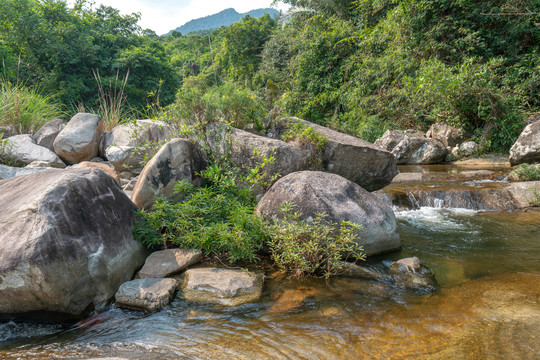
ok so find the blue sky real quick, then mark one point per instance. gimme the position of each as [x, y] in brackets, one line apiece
[165, 15]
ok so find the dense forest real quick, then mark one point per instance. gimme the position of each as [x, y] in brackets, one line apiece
[358, 66]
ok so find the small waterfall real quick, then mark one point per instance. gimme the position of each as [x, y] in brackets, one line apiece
[479, 199]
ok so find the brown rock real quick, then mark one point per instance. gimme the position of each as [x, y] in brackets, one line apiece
[168, 262]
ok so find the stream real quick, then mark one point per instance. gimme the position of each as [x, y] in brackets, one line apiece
[487, 307]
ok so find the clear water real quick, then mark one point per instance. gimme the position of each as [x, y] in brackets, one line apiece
[488, 307]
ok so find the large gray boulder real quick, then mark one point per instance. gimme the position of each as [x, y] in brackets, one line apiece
[247, 150]
[526, 149]
[66, 243]
[124, 145]
[315, 192]
[357, 160]
[146, 294]
[177, 160]
[47, 134]
[411, 147]
[449, 135]
[23, 148]
[222, 286]
[80, 139]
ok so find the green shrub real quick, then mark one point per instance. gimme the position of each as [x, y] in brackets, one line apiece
[307, 138]
[526, 172]
[218, 219]
[25, 109]
[300, 248]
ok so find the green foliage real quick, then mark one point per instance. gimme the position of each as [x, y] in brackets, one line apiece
[25, 109]
[302, 248]
[304, 134]
[526, 172]
[6, 156]
[59, 48]
[218, 219]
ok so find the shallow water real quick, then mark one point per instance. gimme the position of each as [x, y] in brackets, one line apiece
[488, 307]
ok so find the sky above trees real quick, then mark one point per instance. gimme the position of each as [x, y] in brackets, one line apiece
[163, 16]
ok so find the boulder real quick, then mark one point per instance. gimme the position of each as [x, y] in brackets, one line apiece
[357, 160]
[222, 286]
[7, 172]
[247, 150]
[450, 136]
[124, 145]
[106, 168]
[466, 149]
[177, 160]
[125, 158]
[7, 131]
[23, 148]
[314, 192]
[168, 262]
[66, 243]
[411, 147]
[47, 134]
[526, 149]
[146, 294]
[80, 139]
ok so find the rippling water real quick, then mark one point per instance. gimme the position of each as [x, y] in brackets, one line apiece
[488, 307]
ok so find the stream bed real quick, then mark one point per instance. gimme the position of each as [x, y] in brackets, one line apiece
[487, 307]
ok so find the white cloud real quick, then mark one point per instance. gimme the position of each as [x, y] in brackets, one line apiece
[163, 16]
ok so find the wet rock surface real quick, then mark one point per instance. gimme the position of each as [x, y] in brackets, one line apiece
[146, 294]
[222, 286]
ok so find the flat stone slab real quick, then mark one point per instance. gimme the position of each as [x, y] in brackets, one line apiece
[168, 262]
[146, 294]
[222, 286]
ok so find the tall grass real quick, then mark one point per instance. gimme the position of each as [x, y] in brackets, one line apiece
[112, 101]
[25, 109]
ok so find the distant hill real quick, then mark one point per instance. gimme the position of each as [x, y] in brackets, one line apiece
[224, 18]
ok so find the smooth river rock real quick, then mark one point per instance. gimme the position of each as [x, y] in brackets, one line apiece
[222, 286]
[168, 262]
[80, 139]
[449, 135]
[23, 148]
[146, 294]
[66, 243]
[7, 172]
[314, 192]
[526, 149]
[178, 160]
[47, 134]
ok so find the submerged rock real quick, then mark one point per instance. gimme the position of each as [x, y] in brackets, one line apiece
[66, 243]
[178, 160]
[169, 262]
[222, 286]
[410, 272]
[146, 294]
[314, 192]
[79, 140]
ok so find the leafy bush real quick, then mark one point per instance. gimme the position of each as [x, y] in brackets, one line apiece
[26, 110]
[526, 172]
[301, 248]
[218, 219]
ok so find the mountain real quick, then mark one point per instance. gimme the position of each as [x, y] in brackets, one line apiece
[223, 18]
